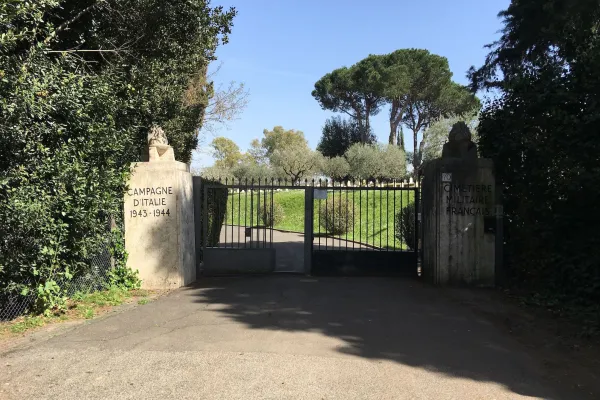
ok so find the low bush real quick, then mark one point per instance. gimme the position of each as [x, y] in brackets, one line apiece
[337, 216]
[271, 216]
[121, 276]
[405, 226]
[216, 209]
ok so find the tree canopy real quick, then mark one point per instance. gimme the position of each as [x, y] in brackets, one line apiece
[436, 135]
[416, 84]
[280, 138]
[355, 91]
[81, 84]
[295, 164]
[383, 162]
[421, 91]
[542, 133]
[226, 153]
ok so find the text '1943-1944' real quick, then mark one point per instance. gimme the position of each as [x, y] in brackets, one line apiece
[150, 201]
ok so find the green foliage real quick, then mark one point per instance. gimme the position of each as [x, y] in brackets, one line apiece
[281, 139]
[416, 84]
[78, 96]
[248, 169]
[336, 168]
[421, 91]
[376, 162]
[541, 132]
[356, 91]
[282, 154]
[124, 278]
[216, 172]
[49, 299]
[436, 135]
[336, 216]
[117, 247]
[29, 322]
[295, 164]
[257, 152]
[405, 226]
[111, 297]
[363, 160]
[226, 152]
[339, 134]
[216, 209]
[271, 215]
[392, 162]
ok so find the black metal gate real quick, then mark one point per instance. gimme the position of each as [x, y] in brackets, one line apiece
[369, 229]
[339, 229]
[235, 236]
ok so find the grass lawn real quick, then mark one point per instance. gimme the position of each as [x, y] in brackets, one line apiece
[373, 218]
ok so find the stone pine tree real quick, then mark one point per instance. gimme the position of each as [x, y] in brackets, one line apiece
[416, 84]
[356, 91]
[420, 90]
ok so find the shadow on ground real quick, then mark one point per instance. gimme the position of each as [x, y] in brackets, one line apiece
[399, 320]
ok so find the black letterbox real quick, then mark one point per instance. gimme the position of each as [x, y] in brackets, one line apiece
[489, 225]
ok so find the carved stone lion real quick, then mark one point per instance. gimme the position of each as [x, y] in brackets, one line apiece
[158, 146]
[157, 136]
[459, 143]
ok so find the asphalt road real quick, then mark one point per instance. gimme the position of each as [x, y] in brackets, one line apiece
[282, 337]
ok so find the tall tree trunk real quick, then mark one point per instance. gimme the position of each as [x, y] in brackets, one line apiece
[415, 153]
[394, 120]
[393, 129]
[365, 133]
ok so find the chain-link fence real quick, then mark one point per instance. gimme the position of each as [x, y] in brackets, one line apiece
[14, 304]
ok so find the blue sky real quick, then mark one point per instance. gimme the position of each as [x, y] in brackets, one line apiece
[280, 48]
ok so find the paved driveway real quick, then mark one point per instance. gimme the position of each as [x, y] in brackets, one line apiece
[281, 337]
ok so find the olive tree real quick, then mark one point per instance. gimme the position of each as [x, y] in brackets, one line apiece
[296, 164]
[337, 168]
[363, 160]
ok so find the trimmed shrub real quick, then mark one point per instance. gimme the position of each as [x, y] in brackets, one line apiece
[215, 210]
[271, 216]
[405, 226]
[337, 216]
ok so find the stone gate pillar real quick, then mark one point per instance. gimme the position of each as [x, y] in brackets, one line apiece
[159, 218]
[458, 215]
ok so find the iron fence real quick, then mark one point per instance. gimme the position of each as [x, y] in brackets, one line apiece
[95, 278]
[366, 216]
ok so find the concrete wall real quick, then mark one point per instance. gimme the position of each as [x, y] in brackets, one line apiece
[159, 224]
[458, 199]
[223, 261]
